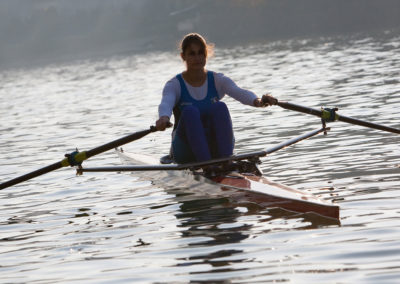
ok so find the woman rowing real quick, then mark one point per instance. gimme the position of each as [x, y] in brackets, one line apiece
[203, 126]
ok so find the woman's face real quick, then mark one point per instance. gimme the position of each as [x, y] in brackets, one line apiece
[194, 56]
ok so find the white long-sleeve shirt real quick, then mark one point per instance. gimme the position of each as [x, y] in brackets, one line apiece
[224, 85]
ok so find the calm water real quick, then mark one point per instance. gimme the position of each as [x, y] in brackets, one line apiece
[119, 228]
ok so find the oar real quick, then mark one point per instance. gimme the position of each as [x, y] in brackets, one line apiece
[197, 165]
[76, 158]
[331, 115]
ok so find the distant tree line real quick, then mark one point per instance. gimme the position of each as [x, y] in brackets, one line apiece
[34, 30]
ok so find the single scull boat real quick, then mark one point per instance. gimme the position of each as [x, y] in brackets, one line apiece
[241, 176]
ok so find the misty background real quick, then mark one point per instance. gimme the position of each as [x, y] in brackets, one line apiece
[44, 31]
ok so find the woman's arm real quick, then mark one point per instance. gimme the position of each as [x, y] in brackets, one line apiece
[225, 85]
[170, 96]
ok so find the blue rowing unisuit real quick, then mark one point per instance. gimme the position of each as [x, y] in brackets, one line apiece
[186, 99]
[205, 128]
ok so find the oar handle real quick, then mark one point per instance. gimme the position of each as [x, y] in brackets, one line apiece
[326, 113]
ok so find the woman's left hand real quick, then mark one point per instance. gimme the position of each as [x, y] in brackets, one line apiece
[266, 100]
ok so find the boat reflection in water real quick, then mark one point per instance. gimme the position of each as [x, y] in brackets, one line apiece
[214, 222]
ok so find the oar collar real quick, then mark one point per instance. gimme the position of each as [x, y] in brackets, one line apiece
[329, 114]
[74, 159]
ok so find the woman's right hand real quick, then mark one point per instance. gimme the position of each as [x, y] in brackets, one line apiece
[162, 123]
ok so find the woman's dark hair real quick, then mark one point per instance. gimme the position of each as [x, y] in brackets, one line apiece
[195, 38]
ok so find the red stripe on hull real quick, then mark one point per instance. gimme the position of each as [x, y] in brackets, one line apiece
[266, 193]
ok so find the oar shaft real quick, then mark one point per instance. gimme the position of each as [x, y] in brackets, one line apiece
[119, 142]
[31, 175]
[342, 118]
[368, 124]
[81, 156]
[299, 108]
[134, 168]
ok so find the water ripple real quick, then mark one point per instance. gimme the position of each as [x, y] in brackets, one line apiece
[101, 228]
